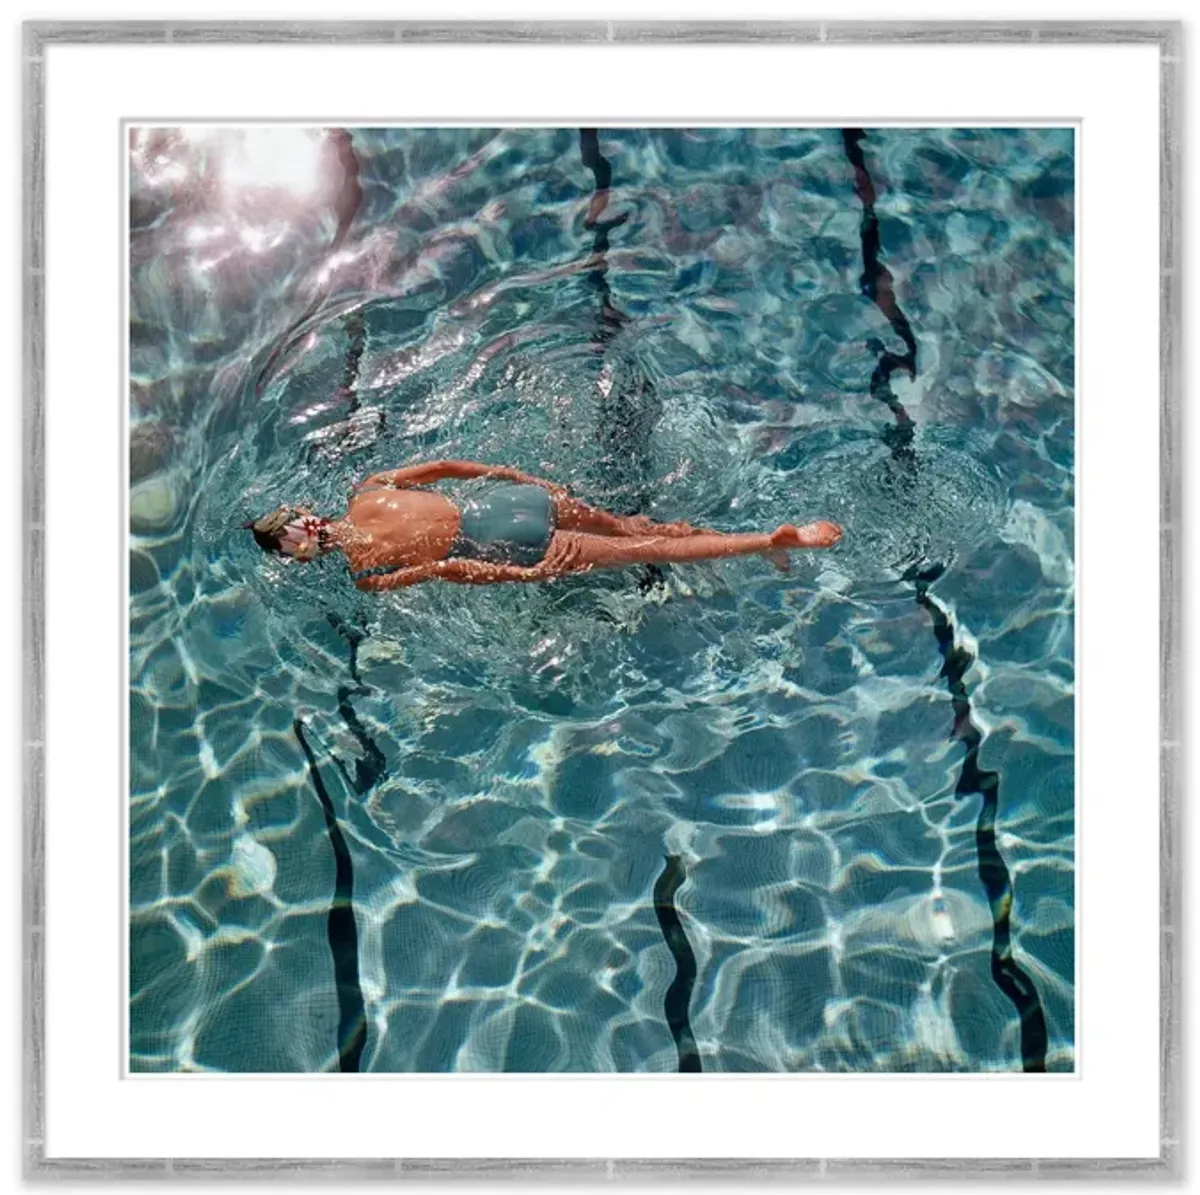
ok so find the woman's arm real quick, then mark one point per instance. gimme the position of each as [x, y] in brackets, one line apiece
[481, 572]
[464, 572]
[399, 578]
[433, 471]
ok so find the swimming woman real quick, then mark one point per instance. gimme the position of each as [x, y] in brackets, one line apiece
[517, 528]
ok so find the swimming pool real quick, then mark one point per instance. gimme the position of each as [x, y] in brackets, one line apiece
[703, 817]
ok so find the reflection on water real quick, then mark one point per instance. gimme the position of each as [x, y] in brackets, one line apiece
[702, 818]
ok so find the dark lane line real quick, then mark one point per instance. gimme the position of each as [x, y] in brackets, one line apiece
[611, 320]
[972, 780]
[372, 767]
[679, 995]
[368, 770]
[877, 285]
[350, 193]
[340, 927]
[619, 417]
[623, 414]
[356, 333]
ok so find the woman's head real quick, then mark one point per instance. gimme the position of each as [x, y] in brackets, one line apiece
[291, 531]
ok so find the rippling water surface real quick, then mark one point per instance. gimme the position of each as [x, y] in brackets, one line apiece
[704, 817]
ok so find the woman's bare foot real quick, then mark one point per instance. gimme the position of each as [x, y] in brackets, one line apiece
[821, 534]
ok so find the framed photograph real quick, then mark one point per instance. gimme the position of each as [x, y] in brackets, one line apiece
[614, 645]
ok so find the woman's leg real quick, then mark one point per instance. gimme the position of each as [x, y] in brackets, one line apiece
[573, 515]
[572, 551]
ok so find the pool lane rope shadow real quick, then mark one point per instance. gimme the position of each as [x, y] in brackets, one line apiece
[974, 780]
[341, 928]
[611, 320]
[620, 416]
[356, 337]
[371, 767]
[878, 286]
[679, 995]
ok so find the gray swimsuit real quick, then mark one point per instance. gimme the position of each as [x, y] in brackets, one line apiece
[505, 523]
[502, 523]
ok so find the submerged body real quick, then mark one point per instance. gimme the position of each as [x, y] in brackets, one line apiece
[520, 528]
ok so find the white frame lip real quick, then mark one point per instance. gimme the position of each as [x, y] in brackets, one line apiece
[1168, 35]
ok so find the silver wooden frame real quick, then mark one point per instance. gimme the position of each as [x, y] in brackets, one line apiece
[1168, 36]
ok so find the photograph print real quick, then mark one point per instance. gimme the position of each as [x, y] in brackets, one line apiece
[601, 600]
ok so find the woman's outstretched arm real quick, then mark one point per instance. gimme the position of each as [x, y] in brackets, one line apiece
[399, 578]
[431, 471]
[465, 572]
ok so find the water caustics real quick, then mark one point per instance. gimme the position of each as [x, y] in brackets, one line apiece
[700, 818]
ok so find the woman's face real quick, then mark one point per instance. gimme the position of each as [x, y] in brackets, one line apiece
[301, 538]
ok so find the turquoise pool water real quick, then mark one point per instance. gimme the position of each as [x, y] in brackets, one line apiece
[705, 817]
